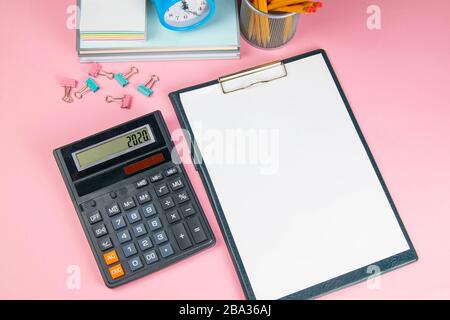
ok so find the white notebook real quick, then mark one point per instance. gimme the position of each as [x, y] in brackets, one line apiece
[310, 213]
[113, 19]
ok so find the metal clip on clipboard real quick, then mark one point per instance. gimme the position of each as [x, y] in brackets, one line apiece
[250, 77]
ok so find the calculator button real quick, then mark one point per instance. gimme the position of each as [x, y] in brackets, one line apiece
[167, 203]
[182, 237]
[170, 172]
[110, 257]
[187, 210]
[160, 237]
[154, 224]
[156, 177]
[100, 230]
[141, 183]
[105, 244]
[94, 217]
[128, 203]
[118, 223]
[149, 210]
[135, 264]
[176, 184]
[143, 197]
[173, 216]
[124, 236]
[116, 271]
[181, 197]
[139, 230]
[196, 230]
[166, 250]
[113, 209]
[151, 257]
[161, 190]
[145, 243]
[133, 216]
[129, 250]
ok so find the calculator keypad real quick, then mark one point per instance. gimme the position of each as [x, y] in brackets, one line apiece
[150, 222]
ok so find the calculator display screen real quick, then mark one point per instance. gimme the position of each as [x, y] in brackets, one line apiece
[113, 147]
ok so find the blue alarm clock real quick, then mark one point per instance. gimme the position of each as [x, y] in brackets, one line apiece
[180, 15]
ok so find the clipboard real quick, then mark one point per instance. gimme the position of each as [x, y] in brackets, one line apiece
[324, 218]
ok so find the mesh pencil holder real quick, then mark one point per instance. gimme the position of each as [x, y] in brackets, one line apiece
[266, 30]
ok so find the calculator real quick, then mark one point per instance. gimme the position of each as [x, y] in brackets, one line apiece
[134, 199]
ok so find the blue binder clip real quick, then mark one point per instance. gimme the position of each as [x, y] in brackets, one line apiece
[90, 86]
[146, 89]
[122, 79]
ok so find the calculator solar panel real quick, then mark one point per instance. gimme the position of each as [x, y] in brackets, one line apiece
[134, 199]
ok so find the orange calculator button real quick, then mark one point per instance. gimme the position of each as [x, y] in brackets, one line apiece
[116, 271]
[110, 257]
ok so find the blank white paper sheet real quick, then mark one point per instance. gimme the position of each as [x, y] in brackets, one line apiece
[310, 208]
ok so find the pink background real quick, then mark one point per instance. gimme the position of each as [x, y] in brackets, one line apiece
[396, 79]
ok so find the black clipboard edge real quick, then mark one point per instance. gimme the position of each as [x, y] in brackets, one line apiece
[345, 280]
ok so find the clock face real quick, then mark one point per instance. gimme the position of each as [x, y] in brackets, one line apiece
[187, 13]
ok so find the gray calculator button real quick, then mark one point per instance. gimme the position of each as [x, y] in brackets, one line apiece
[170, 172]
[105, 244]
[166, 250]
[181, 236]
[182, 197]
[128, 203]
[118, 222]
[161, 189]
[154, 224]
[112, 209]
[124, 236]
[129, 250]
[187, 210]
[145, 243]
[133, 216]
[173, 216]
[149, 210]
[141, 183]
[156, 177]
[150, 257]
[167, 203]
[100, 230]
[196, 230]
[160, 237]
[139, 230]
[176, 184]
[135, 264]
[94, 217]
[143, 197]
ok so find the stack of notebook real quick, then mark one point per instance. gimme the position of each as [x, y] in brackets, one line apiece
[218, 39]
[113, 20]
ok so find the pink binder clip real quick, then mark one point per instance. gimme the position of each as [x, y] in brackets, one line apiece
[96, 70]
[125, 101]
[68, 85]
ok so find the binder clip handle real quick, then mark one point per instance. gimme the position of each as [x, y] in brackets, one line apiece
[122, 79]
[147, 88]
[96, 70]
[90, 86]
[125, 101]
